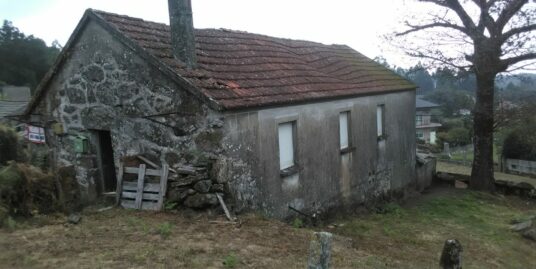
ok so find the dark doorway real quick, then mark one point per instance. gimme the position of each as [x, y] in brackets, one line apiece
[106, 161]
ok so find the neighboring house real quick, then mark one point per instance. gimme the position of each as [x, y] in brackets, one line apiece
[13, 102]
[282, 122]
[426, 129]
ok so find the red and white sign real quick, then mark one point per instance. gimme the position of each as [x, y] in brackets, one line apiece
[35, 134]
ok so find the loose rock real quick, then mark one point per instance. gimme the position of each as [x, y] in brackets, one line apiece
[217, 188]
[530, 234]
[74, 218]
[521, 226]
[201, 200]
[203, 186]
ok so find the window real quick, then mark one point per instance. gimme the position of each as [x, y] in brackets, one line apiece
[286, 144]
[420, 135]
[380, 111]
[344, 129]
[419, 120]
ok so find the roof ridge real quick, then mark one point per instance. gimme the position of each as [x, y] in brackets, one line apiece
[225, 30]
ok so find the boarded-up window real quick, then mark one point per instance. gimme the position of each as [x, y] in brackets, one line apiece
[286, 145]
[379, 119]
[344, 129]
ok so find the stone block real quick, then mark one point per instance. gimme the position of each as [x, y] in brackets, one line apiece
[203, 186]
[201, 200]
[217, 188]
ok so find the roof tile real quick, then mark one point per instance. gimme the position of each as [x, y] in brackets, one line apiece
[240, 70]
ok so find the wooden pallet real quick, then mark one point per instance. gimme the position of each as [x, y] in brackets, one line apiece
[140, 194]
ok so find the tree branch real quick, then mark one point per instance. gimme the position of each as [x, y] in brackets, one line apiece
[508, 12]
[505, 63]
[415, 28]
[439, 59]
[518, 30]
[462, 14]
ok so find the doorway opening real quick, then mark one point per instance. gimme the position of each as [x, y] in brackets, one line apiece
[106, 161]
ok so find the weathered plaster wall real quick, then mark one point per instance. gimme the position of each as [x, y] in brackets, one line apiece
[326, 178]
[105, 86]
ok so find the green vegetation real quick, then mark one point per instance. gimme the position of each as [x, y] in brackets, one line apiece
[25, 59]
[480, 221]
[230, 261]
[9, 145]
[466, 170]
[521, 142]
[164, 229]
[297, 223]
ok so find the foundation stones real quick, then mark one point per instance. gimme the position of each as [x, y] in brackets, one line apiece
[201, 200]
[193, 187]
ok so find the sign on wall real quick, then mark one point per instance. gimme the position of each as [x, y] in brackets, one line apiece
[35, 134]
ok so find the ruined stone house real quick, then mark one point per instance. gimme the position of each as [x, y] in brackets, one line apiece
[277, 122]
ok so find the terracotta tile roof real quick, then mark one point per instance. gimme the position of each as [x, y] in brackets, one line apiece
[240, 70]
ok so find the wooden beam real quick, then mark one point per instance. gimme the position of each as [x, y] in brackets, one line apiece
[119, 187]
[139, 191]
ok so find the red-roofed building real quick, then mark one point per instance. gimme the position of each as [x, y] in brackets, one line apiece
[272, 123]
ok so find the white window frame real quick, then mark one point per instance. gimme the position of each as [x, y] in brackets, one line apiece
[345, 127]
[380, 118]
[286, 133]
[421, 133]
[418, 120]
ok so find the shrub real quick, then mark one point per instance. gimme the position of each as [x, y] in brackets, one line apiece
[230, 261]
[9, 145]
[521, 143]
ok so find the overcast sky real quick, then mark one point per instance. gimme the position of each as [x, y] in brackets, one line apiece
[359, 24]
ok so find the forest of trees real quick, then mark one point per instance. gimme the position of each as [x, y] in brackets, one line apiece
[24, 59]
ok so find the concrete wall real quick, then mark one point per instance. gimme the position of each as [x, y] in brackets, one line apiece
[327, 178]
[106, 86]
[521, 166]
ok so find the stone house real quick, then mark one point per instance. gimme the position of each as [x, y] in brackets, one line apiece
[273, 122]
[426, 128]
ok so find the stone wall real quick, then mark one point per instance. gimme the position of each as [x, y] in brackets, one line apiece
[105, 86]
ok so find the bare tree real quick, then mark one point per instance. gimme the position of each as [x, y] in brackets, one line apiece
[486, 37]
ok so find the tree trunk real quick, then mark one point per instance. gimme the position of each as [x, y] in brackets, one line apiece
[482, 170]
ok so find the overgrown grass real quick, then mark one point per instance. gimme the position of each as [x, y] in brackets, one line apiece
[480, 221]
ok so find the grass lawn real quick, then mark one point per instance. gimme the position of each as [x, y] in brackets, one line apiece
[466, 170]
[407, 236]
[459, 155]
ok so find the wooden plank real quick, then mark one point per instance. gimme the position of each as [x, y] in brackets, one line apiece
[147, 187]
[148, 172]
[145, 205]
[119, 187]
[139, 190]
[187, 170]
[146, 196]
[227, 214]
[153, 165]
[163, 186]
[128, 204]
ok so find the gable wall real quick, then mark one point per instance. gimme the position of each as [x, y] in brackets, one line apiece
[105, 86]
